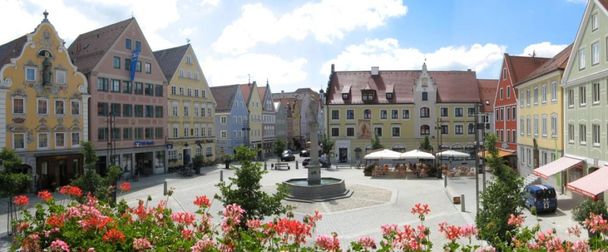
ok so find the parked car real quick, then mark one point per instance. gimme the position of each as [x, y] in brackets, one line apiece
[306, 162]
[322, 161]
[542, 197]
[304, 153]
[287, 156]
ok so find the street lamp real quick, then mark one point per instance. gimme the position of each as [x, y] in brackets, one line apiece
[439, 142]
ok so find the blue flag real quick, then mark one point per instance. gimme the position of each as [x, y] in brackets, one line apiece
[134, 58]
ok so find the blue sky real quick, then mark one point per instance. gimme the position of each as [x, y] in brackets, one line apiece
[293, 43]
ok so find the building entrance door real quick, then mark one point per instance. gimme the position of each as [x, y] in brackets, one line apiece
[343, 155]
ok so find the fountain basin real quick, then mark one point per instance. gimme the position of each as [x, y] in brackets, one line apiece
[328, 189]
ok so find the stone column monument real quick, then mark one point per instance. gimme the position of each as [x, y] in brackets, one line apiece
[314, 170]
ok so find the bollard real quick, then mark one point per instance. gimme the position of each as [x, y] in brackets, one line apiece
[221, 175]
[462, 208]
[445, 181]
[296, 165]
[165, 187]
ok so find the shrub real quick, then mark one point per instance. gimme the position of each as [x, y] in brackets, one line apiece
[581, 212]
[367, 171]
[14, 183]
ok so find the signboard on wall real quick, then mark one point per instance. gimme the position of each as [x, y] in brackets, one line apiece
[140, 143]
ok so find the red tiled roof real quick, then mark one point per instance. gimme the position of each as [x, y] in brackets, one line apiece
[604, 3]
[558, 62]
[487, 93]
[262, 92]
[224, 96]
[521, 66]
[246, 90]
[453, 86]
[90, 47]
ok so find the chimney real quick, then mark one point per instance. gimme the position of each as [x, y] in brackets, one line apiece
[468, 70]
[333, 68]
[375, 71]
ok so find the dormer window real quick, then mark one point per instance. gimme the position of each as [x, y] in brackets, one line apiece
[368, 95]
[344, 96]
[389, 96]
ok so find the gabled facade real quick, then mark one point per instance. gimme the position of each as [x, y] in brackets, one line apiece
[299, 116]
[254, 122]
[191, 107]
[230, 119]
[268, 119]
[43, 106]
[487, 93]
[540, 120]
[401, 108]
[127, 122]
[586, 94]
[514, 69]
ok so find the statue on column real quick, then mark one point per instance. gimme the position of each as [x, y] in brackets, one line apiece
[47, 72]
[314, 170]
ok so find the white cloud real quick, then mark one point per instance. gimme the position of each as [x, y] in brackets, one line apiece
[326, 21]
[543, 49]
[210, 3]
[387, 54]
[281, 73]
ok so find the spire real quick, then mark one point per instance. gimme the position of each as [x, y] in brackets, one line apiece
[424, 66]
[46, 14]
[267, 82]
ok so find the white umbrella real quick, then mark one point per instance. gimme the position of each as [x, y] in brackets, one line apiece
[416, 154]
[383, 154]
[453, 154]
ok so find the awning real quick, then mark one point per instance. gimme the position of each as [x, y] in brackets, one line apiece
[592, 184]
[557, 166]
[501, 153]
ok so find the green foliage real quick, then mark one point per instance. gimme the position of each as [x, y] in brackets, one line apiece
[91, 181]
[326, 146]
[90, 158]
[503, 197]
[14, 183]
[278, 147]
[425, 145]
[10, 160]
[582, 211]
[367, 171]
[198, 161]
[244, 189]
[376, 143]
[490, 144]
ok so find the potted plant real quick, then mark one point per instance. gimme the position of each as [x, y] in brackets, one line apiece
[368, 170]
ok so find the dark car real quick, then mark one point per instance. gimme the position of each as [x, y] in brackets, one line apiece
[306, 162]
[304, 153]
[322, 161]
[541, 197]
[287, 156]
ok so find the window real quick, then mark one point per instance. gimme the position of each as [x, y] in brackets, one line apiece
[378, 131]
[508, 92]
[514, 136]
[196, 93]
[522, 126]
[444, 112]
[102, 109]
[115, 109]
[504, 73]
[139, 110]
[335, 114]
[536, 126]
[570, 98]
[189, 92]
[496, 115]
[582, 133]
[544, 126]
[535, 95]
[368, 95]
[350, 114]
[596, 134]
[127, 133]
[554, 91]
[405, 114]
[581, 58]
[127, 87]
[181, 91]
[174, 109]
[158, 90]
[424, 112]
[59, 107]
[514, 114]
[367, 114]
[508, 113]
[127, 110]
[158, 111]
[19, 141]
[103, 84]
[43, 140]
[508, 136]
[158, 133]
[115, 87]
[59, 140]
[128, 43]
[471, 112]
[149, 133]
[175, 132]
[139, 133]
[383, 114]
[595, 53]
[149, 91]
[425, 96]
[582, 96]
[149, 111]
[350, 132]
[458, 129]
[335, 132]
[75, 139]
[571, 133]
[394, 114]
[595, 93]
[30, 74]
[139, 88]
[138, 66]
[554, 125]
[528, 97]
[425, 130]
[396, 131]
[594, 22]
[60, 76]
[471, 128]
[148, 68]
[116, 62]
[137, 45]
[502, 114]
[18, 106]
[521, 101]
[501, 93]
[173, 90]
[528, 126]
[458, 112]
[543, 94]
[444, 129]
[43, 106]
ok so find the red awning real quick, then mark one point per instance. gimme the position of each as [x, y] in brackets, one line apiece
[592, 184]
[557, 166]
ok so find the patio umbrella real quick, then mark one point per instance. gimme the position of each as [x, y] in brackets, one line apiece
[383, 154]
[416, 154]
[453, 154]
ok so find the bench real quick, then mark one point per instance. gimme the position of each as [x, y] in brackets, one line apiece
[281, 166]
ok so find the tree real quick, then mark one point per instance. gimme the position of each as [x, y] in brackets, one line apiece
[503, 197]
[12, 180]
[10, 160]
[244, 189]
[376, 143]
[326, 146]
[425, 145]
[91, 181]
[278, 148]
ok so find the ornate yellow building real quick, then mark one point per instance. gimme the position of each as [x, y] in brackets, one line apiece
[191, 106]
[44, 109]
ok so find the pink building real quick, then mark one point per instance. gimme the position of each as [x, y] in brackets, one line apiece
[127, 112]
